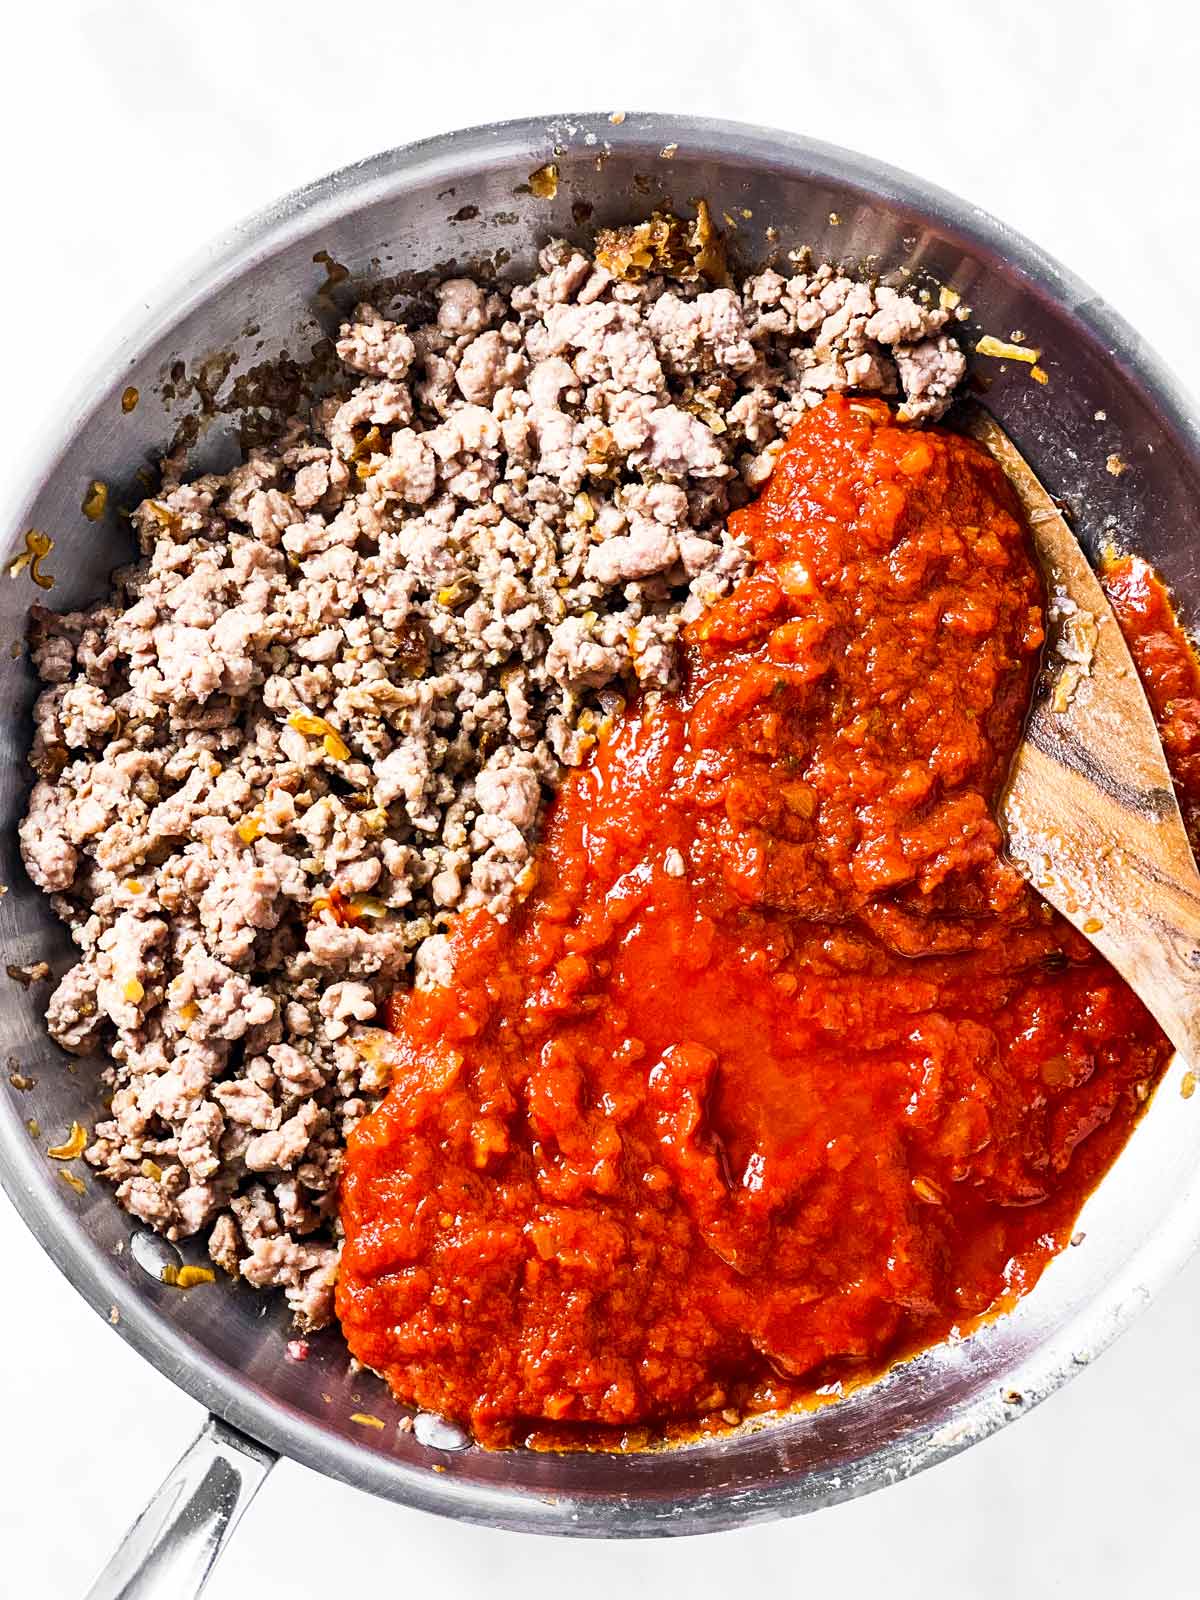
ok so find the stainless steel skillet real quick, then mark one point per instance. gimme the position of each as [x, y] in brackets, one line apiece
[459, 197]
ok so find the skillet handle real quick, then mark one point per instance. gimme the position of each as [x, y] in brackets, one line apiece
[173, 1546]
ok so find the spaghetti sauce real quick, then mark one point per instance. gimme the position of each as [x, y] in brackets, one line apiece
[1168, 669]
[780, 1072]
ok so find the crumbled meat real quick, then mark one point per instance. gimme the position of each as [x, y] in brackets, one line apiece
[373, 345]
[487, 364]
[72, 1016]
[707, 332]
[323, 713]
[345, 1003]
[223, 1243]
[930, 372]
[461, 306]
[284, 1146]
[50, 858]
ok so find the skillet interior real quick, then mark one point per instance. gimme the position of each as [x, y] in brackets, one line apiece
[458, 199]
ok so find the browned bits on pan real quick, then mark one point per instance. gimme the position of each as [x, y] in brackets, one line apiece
[185, 1277]
[129, 399]
[371, 440]
[412, 648]
[38, 546]
[543, 183]
[50, 761]
[989, 345]
[74, 1145]
[169, 521]
[95, 501]
[335, 272]
[665, 243]
[602, 455]
[188, 1277]
[36, 972]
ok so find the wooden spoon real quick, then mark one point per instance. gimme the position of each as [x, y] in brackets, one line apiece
[1089, 808]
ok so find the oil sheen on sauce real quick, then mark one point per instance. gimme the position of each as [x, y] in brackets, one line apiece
[780, 1072]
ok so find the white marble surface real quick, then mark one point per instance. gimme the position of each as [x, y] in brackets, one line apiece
[132, 131]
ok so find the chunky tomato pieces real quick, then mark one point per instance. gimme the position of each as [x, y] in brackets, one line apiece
[781, 1072]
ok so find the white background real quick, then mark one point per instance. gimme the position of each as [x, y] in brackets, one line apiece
[131, 133]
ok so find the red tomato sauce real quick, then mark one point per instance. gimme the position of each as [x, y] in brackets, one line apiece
[1168, 668]
[781, 1072]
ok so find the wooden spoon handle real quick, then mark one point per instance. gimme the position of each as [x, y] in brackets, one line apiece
[1112, 864]
[1090, 809]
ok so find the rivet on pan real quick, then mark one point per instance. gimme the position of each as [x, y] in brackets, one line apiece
[439, 1434]
[154, 1254]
